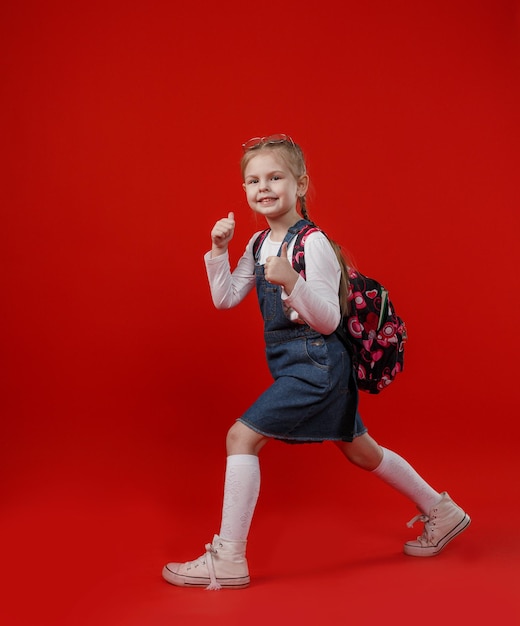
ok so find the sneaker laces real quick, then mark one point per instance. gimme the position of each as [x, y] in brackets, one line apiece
[201, 560]
[418, 518]
[426, 537]
[214, 584]
[207, 559]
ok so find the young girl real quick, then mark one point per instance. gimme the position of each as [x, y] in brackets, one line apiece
[314, 396]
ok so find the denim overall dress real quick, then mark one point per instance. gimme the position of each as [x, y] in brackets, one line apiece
[314, 395]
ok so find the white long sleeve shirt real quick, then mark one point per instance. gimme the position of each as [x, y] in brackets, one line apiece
[313, 301]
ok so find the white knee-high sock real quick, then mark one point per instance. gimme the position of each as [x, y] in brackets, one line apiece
[398, 473]
[241, 489]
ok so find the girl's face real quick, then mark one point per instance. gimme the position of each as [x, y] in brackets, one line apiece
[271, 189]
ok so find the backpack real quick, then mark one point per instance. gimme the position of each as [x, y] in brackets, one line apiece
[372, 332]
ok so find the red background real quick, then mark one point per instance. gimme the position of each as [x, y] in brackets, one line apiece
[121, 131]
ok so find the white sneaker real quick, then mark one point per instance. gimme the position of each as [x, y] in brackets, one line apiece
[223, 565]
[445, 521]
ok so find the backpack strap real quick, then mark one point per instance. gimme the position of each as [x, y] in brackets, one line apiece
[298, 250]
[258, 243]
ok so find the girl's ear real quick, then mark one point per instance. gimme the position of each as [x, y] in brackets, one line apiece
[244, 186]
[303, 184]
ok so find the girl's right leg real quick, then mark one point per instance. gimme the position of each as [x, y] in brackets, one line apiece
[224, 563]
[242, 481]
[444, 520]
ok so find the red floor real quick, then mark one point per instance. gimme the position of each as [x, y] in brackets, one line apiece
[82, 552]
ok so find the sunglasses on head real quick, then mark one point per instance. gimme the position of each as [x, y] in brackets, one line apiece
[256, 142]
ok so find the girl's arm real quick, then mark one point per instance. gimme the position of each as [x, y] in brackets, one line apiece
[229, 288]
[315, 300]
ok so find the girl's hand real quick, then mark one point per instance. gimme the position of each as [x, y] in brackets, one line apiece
[222, 234]
[279, 271]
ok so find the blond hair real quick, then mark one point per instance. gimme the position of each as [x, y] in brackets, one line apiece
[293, 157]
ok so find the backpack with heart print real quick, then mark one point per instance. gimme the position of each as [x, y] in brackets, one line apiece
[372, 332]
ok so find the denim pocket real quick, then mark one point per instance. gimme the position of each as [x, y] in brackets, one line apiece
[318, 352]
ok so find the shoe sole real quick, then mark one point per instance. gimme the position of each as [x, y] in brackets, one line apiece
[181, 580]
[413, 550]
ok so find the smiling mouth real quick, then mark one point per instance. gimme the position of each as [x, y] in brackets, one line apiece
[267, 200]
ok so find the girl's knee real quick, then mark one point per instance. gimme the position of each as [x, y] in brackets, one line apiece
[363, 452]
[243, 440]
[234, 434]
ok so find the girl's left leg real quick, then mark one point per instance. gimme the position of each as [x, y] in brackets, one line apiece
[392, 468]
[444, 520]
